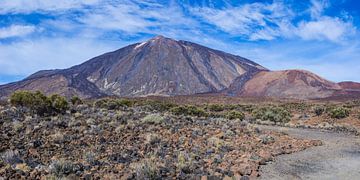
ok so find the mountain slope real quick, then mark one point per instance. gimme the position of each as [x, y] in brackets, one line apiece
[297, 84]
[160, 66]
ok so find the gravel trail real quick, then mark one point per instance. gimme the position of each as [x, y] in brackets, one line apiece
[337, 158]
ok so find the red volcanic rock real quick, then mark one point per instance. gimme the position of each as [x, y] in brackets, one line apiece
[297, 84]
[350, 85]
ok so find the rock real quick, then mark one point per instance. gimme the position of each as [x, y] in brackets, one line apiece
[242, 169]
[244, 178]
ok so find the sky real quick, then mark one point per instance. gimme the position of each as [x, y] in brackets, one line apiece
[321, 36]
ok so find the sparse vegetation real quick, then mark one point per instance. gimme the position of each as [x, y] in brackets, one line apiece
[145, 139]
[112, 104]
[339, 113]
[215, 107]
[11, 157]
[189, 111]
[76, 100]
[319, 110]
[274, 114]
[62, 168]
[147, 169]
[59, 103]
[38, 103]
[153, 119]
[235, 115]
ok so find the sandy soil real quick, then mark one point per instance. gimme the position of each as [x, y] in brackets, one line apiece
[337, 158]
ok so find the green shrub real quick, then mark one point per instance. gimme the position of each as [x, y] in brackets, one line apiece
[153, 119]
[275, 114]
[319, 110]
[339, 113]
[235, 115]
[76, 100]
[39, 103]
[215, 107]
[189, 111]
[112, 104]
[147, 169]
[125, 102]
[62, 168]
[158, 105]
[21, 98]
[59, 103]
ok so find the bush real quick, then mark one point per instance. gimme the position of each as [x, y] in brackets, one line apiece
[153, 119]
[189, 111]
[112, 104]
[319, 110]
[235, 115]
[62, 168]
[275, 114]
[76, 100]
[38, 103]
[59, 103]
[215, 107]
[11, 157]
[158, 105]
[339, 113]
[147, 169]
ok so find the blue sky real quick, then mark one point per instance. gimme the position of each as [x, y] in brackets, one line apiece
[317, 35]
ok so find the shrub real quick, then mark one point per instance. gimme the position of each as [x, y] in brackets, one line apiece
[153, 119]
[125, 102]
[339, 113]
[275, 114]
[21, 98]
[215, 107]
[11, 157]
[153, 138]
[90, 158]
[39, 103]
[189, 111]
[76, 100]
[59, 103]
[319, 110]
[147, 169]
[112, 104]
[158, 105]
[235, 115]
[62, 168]
[266, 139]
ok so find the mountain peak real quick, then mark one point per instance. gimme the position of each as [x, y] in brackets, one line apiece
[160, 38]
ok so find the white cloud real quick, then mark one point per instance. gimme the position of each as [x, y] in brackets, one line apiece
[130, 17]
[317, 7]
[262, 21]
[27, 57]
[325, 28]
[16, 31]
[249, 20]
[27, 6]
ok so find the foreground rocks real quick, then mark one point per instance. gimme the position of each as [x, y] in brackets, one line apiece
[128, 143]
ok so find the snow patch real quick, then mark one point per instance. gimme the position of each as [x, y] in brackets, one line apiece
[139, 45]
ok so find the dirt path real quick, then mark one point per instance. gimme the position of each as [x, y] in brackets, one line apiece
[337, 158]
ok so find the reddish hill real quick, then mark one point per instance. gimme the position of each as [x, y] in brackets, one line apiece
[348, 85]
[298, 84]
